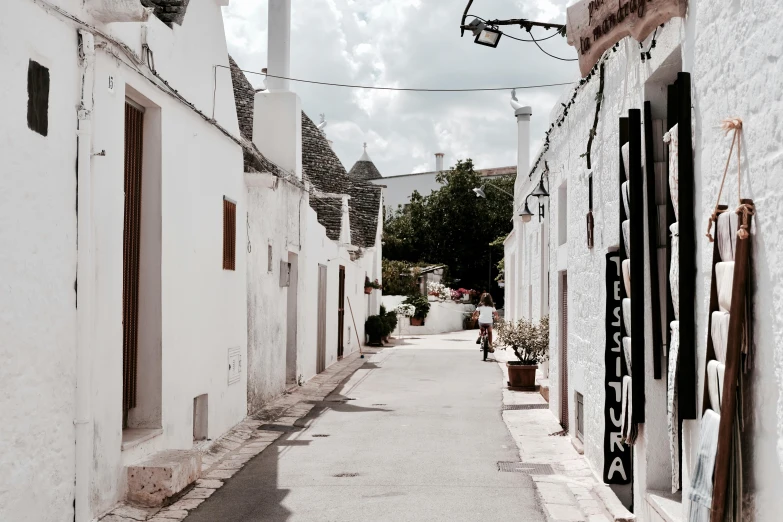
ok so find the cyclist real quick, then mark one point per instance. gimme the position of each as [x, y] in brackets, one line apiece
[486, 314]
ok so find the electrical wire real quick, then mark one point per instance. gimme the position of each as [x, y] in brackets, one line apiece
[552, 55]
[371, 87]
[523, 40]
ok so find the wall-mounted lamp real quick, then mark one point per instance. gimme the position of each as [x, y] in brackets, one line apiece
[539, 192]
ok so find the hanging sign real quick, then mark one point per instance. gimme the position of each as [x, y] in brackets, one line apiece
[617, 456]
[594, 26]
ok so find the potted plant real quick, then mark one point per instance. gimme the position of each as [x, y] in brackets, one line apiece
[421, 306]
[374, 329]
[530, 343]
[369, 286]
[438, 292]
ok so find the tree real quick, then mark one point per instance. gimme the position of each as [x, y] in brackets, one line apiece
[454, 227]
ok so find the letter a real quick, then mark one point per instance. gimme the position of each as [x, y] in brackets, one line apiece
[616, 467]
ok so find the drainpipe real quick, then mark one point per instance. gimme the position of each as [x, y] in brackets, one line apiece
[85, 277]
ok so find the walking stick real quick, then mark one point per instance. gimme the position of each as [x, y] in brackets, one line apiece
[356, 331]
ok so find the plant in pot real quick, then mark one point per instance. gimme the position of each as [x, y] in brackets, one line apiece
[369, 286]
[530, 343]
[374, 328]
[421, 306]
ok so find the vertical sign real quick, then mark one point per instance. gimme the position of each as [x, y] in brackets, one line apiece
[617, 456]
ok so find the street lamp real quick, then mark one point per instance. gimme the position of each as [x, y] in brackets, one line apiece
[480, 192]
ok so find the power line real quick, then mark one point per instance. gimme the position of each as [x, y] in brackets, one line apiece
[552, 55]
[371, 87]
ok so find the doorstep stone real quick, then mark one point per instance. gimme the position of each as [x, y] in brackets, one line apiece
[161, 476]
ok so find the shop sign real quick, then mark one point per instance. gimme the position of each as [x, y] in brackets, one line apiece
[617, 456]
[594, 26]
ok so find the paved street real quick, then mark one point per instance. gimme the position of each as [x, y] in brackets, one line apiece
[420, 440]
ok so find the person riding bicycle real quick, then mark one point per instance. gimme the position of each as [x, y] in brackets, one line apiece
[486, 314]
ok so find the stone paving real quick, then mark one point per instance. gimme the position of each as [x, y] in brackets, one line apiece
[228, 454]
[572, 493]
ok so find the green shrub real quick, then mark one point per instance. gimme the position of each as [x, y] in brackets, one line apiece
[374, 328]
[421, 304]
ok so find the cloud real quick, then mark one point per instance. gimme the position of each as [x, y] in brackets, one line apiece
[411, 43]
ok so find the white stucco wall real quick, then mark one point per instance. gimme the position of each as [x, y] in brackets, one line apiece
[398, 189]
[38, 267]
[202, 308]
[732, 52]
[444, 317]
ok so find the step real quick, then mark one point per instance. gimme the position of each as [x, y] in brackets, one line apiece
[162, 475]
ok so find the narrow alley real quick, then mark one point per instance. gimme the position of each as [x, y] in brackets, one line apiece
[415, 434]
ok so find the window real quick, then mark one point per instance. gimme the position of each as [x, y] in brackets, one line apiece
[229, 234]
[580, 414]
[38, 98]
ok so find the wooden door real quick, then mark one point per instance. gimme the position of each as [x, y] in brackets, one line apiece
[131, 246]
[341, 314]
[564, 354]
[321, 343]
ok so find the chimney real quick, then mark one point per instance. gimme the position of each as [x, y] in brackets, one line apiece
[277, 121]
[279, 44]
[438, 161]
[523, 139]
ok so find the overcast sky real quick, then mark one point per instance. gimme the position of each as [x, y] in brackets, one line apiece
[411, 43]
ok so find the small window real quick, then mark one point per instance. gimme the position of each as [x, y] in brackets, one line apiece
[38, 98]
[270, 268]
[580, 416]
[229, 234]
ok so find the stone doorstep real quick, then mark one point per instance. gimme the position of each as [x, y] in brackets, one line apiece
[162, 476]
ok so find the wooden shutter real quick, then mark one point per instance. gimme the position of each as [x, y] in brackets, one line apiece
[229, 234]
[134, 125]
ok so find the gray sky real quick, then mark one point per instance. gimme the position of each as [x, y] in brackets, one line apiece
[411, 43]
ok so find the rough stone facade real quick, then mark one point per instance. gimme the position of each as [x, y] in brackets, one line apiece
[364, 170]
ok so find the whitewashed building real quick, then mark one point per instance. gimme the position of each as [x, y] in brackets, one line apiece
[723, 61]
[398, 189]
[148, 273]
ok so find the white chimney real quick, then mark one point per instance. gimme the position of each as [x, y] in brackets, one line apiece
[523, 139]
[277, 122]
[279, 44]
[438, 161]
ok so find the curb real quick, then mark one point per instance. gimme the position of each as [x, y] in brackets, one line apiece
[227, 455]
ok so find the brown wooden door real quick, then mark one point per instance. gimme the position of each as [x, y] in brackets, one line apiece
[321, 334]
[564, 354]
[134, 124]
[341, 314]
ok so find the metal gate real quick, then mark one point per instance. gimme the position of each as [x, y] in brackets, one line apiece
[341, 314]
[134, 125]
[321, 358]
[564, 355]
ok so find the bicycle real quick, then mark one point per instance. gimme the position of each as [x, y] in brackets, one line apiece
[485, 348]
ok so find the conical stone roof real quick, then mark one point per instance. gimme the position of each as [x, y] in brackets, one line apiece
[365, 169]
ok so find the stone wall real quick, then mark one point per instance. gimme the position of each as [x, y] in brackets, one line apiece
[168, 11]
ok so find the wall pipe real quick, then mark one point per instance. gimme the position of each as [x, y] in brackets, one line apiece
[84, 277]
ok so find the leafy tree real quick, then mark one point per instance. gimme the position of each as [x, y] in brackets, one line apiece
[453, 227]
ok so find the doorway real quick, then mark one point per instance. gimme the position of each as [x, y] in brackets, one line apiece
[291, 331]
[131, 248]
[321, 333]
[341, 315]
[564, 351]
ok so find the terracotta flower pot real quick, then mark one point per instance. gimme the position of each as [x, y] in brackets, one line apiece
[368, 290]
[417, 322]
[521, 375]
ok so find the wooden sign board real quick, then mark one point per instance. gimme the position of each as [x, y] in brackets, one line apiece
[594, 26]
